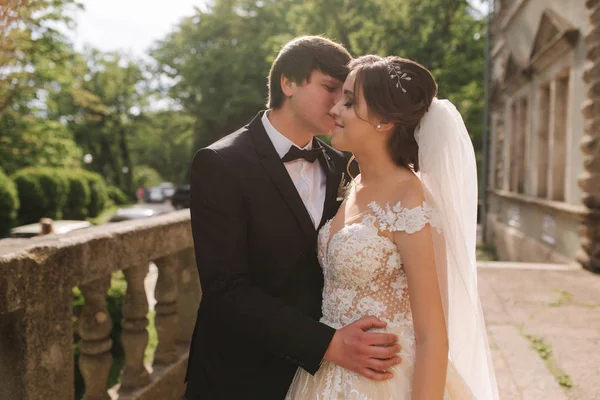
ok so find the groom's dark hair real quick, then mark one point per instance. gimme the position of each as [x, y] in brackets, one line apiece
[300, 57]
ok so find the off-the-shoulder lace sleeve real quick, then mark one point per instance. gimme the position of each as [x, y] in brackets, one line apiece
[398, 218]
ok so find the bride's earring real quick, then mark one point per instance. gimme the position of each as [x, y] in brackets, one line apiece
[379, 125]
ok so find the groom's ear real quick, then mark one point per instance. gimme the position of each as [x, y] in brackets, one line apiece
[288, 86]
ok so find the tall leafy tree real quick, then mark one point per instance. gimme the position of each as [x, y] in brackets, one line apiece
[109, 95]
[35, 61]
[219, 58]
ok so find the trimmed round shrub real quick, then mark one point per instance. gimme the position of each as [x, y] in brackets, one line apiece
[79, 196]
[42, 193]
[117, 196]
[55, 186]
[9, 204]
[31, 196]
[98, 193]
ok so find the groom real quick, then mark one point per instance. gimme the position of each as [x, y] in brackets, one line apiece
[258, 197]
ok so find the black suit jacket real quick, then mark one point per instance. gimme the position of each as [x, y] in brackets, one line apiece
[261, 281]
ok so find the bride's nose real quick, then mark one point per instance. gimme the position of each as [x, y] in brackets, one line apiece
[335, 110]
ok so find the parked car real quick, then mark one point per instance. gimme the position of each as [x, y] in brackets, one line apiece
[167, 188]
[155, 195]
[134, 212]
[181, 197]
[60, 227]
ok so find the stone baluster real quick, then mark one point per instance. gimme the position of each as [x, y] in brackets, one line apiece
[94, 328]
[135, 321]
[166, 309]
[189, 295]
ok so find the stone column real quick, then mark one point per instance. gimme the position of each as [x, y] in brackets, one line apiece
[94, 328]
[135, 321]
[166, 293]
[590, 145]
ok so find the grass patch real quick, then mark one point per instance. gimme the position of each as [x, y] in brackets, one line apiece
[563, 299]
[566, 298]
[108, 212]
[152, 339]
[545, 352]
[104, 216]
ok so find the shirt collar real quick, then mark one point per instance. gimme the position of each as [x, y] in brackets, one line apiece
[281, 143]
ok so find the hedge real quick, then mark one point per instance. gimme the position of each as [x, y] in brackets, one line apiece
[78, 199]
[9, 204]
[98, 193]
[117, 196]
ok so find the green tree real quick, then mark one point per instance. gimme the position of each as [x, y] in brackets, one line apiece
[219, 58]
[163, 140]
[33, 141]
[36, 61]
[146, 176]
[108, 97]
[33, 51]
[9, 203]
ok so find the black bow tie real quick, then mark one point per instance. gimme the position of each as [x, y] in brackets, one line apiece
[296, 153]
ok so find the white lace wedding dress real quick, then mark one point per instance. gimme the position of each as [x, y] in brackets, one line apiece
[364, 276]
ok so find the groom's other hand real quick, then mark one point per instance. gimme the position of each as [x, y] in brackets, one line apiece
[369, 354]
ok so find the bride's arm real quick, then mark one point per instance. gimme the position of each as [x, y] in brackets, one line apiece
[418, 258]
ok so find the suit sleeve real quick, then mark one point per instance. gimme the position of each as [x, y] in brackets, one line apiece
[233, 301]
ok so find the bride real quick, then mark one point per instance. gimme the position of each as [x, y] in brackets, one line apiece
[402, 245]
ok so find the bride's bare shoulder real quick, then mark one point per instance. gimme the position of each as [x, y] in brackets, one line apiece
[406, 189]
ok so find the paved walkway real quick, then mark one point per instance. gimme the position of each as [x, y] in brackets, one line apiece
[544, 328]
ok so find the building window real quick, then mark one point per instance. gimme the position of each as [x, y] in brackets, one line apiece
[518, 145]
[499, 166]
[552, 138]
[542, 141]
[558, 147]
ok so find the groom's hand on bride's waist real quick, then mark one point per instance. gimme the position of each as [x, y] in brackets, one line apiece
[369, 354]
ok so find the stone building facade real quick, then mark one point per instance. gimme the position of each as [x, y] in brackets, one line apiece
[543, 192]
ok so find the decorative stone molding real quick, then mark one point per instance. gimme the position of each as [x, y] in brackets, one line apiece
[515, 75]
[590, 144]
[511, 12]
[554, 38]
[578, 213]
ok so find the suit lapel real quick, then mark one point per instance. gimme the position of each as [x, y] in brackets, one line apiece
[279, 175]
[333, 179]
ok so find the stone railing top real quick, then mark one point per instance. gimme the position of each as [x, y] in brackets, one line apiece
[31, 269]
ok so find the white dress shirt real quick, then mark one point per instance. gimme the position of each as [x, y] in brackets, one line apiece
[309, 178]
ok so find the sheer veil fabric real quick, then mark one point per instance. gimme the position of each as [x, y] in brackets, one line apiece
[448, 172]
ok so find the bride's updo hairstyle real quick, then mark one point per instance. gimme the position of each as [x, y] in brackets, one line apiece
[399, 91]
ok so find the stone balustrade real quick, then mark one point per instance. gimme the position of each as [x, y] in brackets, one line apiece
[37, 322]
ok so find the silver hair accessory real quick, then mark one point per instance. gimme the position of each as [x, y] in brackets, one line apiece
[397, 73]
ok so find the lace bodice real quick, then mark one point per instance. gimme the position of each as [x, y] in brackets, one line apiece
[363, 268]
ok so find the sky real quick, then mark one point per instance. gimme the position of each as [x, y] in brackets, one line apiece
[132, 25]
[128, 25]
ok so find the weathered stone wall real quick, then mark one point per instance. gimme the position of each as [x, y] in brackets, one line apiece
[590, 144]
